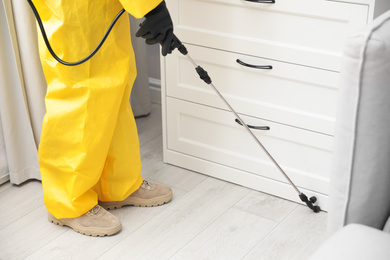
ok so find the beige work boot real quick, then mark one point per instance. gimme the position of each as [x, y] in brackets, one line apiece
[97, 223]
[147, 195]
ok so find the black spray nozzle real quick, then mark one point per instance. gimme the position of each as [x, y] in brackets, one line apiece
[310, 202]
[176, 43]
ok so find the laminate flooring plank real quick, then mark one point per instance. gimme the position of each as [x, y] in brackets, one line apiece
[152, 157]
[149, 126]
[224, 219]
[72, 245]
[165, 234]
[27, 234]
[144, 120]
[231, 236]
[16, 201]
[178, 177]
[297, 237]
[266, 206]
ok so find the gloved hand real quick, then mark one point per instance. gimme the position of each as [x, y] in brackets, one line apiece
[158, 28]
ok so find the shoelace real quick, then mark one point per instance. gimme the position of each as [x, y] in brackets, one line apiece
[95, 210]
[145, 184]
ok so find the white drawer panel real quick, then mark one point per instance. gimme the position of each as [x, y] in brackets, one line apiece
[211, 134]
[290, 94]
[309, 32]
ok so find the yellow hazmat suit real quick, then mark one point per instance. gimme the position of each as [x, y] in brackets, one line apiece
[89, 147]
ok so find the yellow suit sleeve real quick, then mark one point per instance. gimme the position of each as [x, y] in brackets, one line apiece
[138, 8]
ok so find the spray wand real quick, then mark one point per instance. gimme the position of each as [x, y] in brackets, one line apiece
[176, 43]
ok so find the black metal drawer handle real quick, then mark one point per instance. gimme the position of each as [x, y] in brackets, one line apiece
[254, 127]
[262, 1]
[261, 67]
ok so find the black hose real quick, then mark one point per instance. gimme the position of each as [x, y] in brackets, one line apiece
[51, 49]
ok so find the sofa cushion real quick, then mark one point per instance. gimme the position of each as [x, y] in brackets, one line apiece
[355, 242]
[386, 228]
[360, 179]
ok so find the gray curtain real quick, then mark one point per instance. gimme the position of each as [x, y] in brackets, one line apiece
[23, 88]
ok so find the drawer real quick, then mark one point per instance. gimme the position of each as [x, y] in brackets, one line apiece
[308, 32]
[291, 94]
[212, 135]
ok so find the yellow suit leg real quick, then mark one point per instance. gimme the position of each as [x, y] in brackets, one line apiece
[117, 181]
[89, 145]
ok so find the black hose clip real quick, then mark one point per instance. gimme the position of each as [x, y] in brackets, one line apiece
[203, 74]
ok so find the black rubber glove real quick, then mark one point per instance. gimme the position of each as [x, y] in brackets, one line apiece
[158, 28]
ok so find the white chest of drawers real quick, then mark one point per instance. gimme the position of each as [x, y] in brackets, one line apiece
[302, 40]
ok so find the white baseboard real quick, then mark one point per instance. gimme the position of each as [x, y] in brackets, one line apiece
[155, 90]
[4, 178]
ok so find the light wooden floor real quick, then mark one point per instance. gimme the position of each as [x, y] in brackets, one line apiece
[207, 219]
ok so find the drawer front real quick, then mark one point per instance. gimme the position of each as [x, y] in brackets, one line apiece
[211, 134]
[290, 94]
[308, 32]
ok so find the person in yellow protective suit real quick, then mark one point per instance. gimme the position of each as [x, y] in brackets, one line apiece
[89, 149]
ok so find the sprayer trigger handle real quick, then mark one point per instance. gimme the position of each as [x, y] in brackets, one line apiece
[176, 43]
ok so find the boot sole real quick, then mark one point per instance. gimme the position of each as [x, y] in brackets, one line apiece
[88, 231]
[137, 202]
